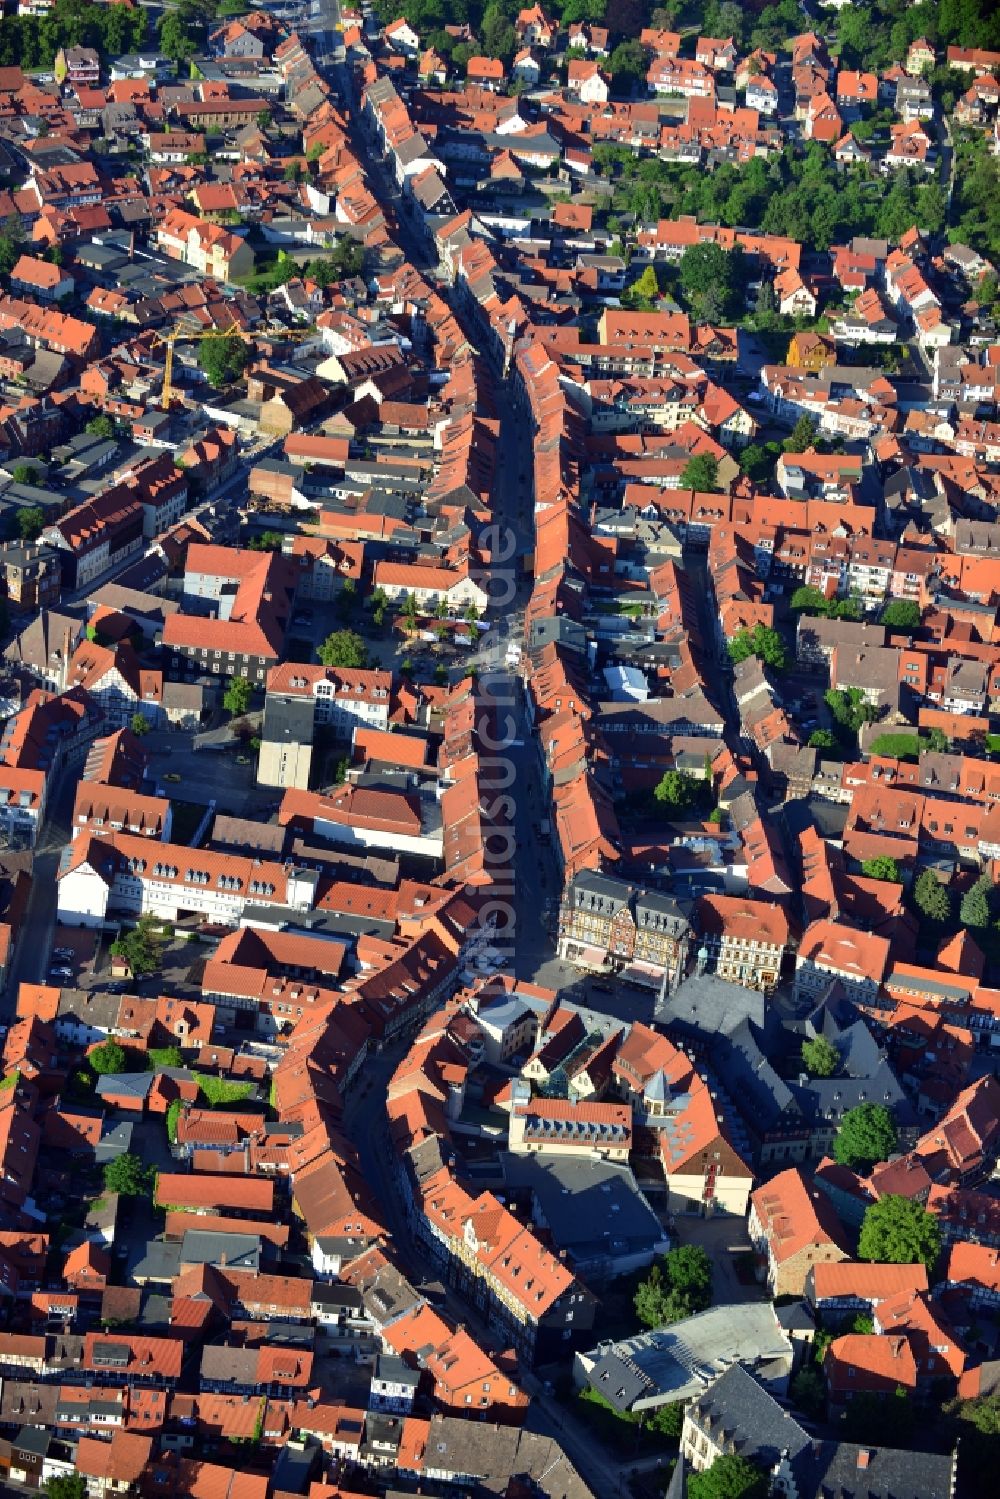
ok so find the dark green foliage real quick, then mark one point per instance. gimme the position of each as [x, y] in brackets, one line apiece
[887, 1419]
[701, 473]
[107, 1058]
[713, 280]
[30, 522]
[223, 357]
[866, 1136]
[32, 42]
[820, 1057]
[931, 898]
[763, 642]
[236, 699]
[898, 1231]
[343, 648]
[901, 614]
[977, 903]
[141, 948]
[808, 1391]
[850, 708]
[677, 790]
[127, 1175]
[821, 739]
[730, 1477]
[678, 1285]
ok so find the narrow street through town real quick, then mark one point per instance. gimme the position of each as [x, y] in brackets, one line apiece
[34, 940]
[533, 878]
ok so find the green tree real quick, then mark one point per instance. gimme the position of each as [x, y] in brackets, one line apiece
[174, 1112]
[347, 598]
[108, 1057]
[11, 245]
[701, 473]
[866, 1136]
[627, 65]
[802, 436]
[809, 600]
[887, 1419]
[236, 699]
[223, 357]
[139, 724]
[711, 277]
[936, 741]
[881, 867]
[142, 947]
[127, 1175]
[667, 1420]
[30, 522]
[901, 614]
[496, 33]
[676, 789]
[689, 1271]
[763, 642]
[343, 648]
[158, 1057]
[731, 1476]
[176, 41]
[25, 473]
[66, 1486]
[974, 909]
[931, 898]
[820, 1057]
[808, 1390]
[267, 541]
[644, 292]
[100, 426]
[898, 1231]
[849, 707]
[756, 462]
[821, 739]
[677, 1286]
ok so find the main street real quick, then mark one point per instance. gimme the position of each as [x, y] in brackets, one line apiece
[365, 1121]
[34, 939]
[533, 876]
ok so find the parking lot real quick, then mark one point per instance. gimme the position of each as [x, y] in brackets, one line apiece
[87, 963]
[205, 775]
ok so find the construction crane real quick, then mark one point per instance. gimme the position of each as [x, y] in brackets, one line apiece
[181, 335]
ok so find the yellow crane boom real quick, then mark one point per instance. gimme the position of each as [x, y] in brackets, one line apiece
[181, 335]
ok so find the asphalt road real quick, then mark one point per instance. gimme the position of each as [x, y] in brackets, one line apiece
[533, 877]
[30, 965]
[365, 1121]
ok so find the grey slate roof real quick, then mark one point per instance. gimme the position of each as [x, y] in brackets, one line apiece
[592, 1208]
[494, 1455]
[125, 1084]
[762, 1430]
[705, 1005]
[678, 1362]
[236, 1251]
